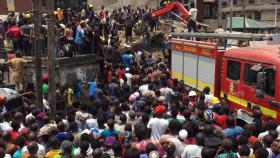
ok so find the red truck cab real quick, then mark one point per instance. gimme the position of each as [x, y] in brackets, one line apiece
[246, 77]
[249, 78]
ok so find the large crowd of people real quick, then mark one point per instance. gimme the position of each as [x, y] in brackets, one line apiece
[85, 31]
[136, 109]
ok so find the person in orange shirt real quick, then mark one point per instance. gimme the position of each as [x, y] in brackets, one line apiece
[59, 14]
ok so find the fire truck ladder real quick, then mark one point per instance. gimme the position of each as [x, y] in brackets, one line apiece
[243, 39]
[235, 36]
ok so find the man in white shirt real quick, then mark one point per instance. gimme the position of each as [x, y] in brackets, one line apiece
[179, 142]
[267, 141]
[33, 137]
[194, 151]
[278, 131]
[192, 19]
[149, 92]
[145, 86]
[158, 125]
[128, 75]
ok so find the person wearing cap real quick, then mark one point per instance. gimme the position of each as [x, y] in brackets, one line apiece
[192, 98]
[128, 76]
[179, 142]
[214, 101]
[158, 125]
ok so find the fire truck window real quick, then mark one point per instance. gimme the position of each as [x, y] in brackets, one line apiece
[250, 76]
[270, 82]
[233, 70]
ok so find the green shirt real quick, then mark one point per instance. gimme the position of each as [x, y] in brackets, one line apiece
[45, 88]
[228, 155]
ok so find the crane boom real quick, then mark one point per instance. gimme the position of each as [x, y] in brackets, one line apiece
[169, 7]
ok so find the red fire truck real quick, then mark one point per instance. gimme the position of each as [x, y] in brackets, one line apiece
[246, 76]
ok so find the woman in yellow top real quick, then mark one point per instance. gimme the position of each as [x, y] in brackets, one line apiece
[69, 93]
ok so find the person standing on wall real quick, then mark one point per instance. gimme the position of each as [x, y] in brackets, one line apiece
[192, 21]
[16, 64]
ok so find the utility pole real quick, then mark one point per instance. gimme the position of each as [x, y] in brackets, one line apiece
[231, 15]
[244, 16]
[38, 51]
[51, 59]
[220, 20]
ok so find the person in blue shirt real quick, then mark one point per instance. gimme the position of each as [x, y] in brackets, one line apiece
[20, 142]
[61, 135]
[111, 131]
[92, 86]
[98, 94]
[126, 59]
[78, 89]
[79, 37]
[233, 130]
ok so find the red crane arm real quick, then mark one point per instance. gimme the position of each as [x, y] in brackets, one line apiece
[169, 8]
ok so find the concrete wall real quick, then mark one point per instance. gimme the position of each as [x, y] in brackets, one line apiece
[68, 70]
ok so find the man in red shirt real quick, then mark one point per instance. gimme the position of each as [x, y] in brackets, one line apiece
[102, 15]
[14, 33]
[120, 72]
[221, 119]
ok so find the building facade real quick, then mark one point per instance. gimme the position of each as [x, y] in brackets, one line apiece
[19, 6]
[265, 11]
[208, 13]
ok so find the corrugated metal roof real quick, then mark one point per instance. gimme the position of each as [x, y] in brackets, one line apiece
[237, 23]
